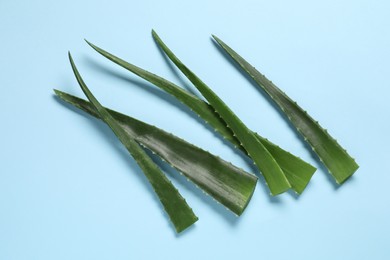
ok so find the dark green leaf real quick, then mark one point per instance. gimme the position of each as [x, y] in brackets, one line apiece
[176, 207]
[227, 184]
[339, 163]
[298, 171]
[273, 174]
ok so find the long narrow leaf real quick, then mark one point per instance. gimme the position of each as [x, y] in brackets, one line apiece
[297, 171]
[176, 207]
[273, 174]
[227, 184]
[339, 163]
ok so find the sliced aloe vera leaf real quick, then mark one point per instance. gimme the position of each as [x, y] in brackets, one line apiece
[226, 183]
[297, 171]
[339, 163]
[273, 174]
[179, 212]
[296, 167]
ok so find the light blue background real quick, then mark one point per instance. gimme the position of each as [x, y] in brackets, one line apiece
[68, 190]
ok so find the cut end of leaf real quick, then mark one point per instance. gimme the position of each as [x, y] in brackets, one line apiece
[350, 173]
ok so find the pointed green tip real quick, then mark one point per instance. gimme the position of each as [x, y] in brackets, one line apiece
[72, 64]
[155, 35]
[70, 57]
[61, 95]
[91, 44]
[215, 38]
[57, 92]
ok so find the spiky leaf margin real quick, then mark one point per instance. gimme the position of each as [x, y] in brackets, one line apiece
[339, 163]
[180, 214]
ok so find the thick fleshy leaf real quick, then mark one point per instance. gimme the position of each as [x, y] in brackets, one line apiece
[339, 163]
[297, 171]
[227, 184]
[176, 207]
[273, 174]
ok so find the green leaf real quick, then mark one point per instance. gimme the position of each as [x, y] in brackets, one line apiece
[176, 207]
[227, 184]
[297, 171]
[339, 163]
[273, 174]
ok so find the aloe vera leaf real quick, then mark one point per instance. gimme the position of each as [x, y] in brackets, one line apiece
[227, 184]
[179, 212]
[273, 174]
[339, 163]
[297, 171]
[291, 165]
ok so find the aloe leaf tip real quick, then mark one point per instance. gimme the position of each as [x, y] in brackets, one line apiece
[88, 42]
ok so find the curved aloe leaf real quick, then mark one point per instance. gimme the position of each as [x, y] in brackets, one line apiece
[273, 174]
[178, 210]
[227, 184]
[297, 171]
[339, 163]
